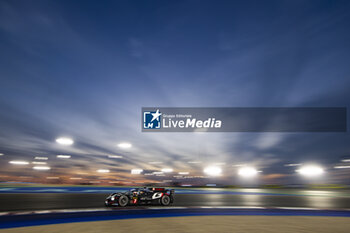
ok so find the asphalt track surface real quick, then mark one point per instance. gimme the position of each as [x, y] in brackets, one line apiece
[52, 201]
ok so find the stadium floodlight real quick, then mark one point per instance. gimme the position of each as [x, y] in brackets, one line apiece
[36, 162]
[310, 170]
[65, 141]
[103, 170]
[247, 172]
[183, 173]
[63, 156]
[167, 170]
[41, 168]
[213, 171]
[136, 171]
[18, 162]
[341, 167]
[1, 154]
[41, 158]
[115, 156]
[124, 145]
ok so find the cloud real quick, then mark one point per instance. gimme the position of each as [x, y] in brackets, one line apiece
[81, 73]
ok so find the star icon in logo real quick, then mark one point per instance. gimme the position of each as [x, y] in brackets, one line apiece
[156, 115]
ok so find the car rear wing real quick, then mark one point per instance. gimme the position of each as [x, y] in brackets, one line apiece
[163, 190]
[159, 189]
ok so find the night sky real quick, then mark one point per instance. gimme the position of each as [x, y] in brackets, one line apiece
[84, 69]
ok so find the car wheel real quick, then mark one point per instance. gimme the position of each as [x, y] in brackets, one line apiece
[123, 201]
[165, 200]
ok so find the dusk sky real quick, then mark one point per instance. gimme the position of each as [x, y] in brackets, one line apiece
[83, 69]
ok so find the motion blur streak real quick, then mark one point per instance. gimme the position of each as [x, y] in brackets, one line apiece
[241, 197]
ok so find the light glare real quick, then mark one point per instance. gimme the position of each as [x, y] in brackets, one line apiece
[41, 168]
[310, 170]
[213, 171]
[115, 156]
[136, 171]
[65, 141]
[103, 170]
[124, 145]
[247, 172]
[292, 164]
[341, 167]
[41, 163]
[165, 170]
[17, 162]
[63, 156]
[183, 173]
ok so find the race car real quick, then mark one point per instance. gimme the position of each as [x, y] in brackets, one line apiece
[139, 196]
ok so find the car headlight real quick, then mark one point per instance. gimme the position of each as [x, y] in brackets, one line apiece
[112, 198]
